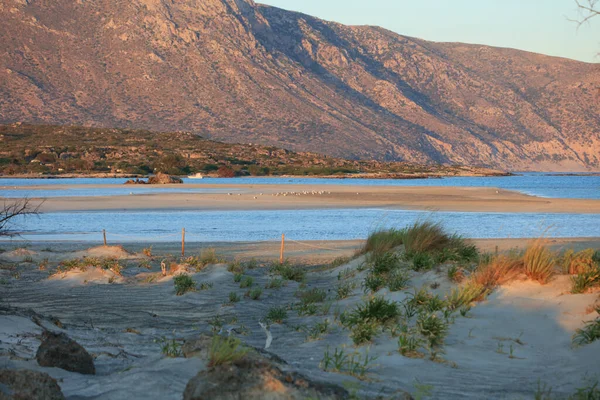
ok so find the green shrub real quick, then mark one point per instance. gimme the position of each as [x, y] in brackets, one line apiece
[583, 281]
[373, 282]
[183, 284]
[375, 309]
[318, 330]
[589, 333]
[255, 293]
[314, 295]
[170, 348]
[205, 285]
[234, 297]
[236, 267]
[383, 263]
[275, 283]
[363, 332]
[433, 329]
[408, 343]
[422, 261]
[398, 280]
[277, 314]
[339, 261]
[237, 278]
[344, 290]
[246, 282]
[288, 272]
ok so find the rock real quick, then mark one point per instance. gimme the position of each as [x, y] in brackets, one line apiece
[136, 181]
[58, 350]
[163, 179]
[254, 378]
[25, 384]
[197, 346]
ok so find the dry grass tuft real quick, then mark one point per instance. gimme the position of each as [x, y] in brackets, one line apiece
[499, 270]
[539, 261]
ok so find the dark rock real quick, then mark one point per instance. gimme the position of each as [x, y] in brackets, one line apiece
[197, 346]
[58, 350]
[28, 385]
[254, 378]
[136, 181]
[163, 179]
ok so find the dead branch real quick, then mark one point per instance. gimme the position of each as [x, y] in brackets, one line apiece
[12, 209]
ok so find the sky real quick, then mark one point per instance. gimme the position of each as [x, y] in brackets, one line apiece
[540, 26]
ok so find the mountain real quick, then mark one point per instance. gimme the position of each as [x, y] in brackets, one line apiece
[237, 71]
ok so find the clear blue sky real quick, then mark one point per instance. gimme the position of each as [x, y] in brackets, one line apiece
[540, 26]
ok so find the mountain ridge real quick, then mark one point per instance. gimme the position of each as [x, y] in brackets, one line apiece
[244, 72]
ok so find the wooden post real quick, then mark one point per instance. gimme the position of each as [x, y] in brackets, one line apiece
[496, 250]
[104, 234]
[183, 242]
[282, 247]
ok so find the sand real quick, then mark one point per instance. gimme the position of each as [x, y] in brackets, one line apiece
[271, 197]
[122, 324]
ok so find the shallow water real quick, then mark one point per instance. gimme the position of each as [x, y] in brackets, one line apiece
[328, 224]
[538, 184]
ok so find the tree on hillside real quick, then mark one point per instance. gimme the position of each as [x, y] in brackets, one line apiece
[11, 210]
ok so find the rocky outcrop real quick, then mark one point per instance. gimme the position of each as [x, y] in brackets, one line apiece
[163, 179]
[237, 71]
[59, 351]
[25, 384]
[255, 378]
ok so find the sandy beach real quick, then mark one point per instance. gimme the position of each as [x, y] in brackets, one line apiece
[502, 347]
[286, 197]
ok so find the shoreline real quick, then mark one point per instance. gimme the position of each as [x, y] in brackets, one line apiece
[306, 251]
[245, 197]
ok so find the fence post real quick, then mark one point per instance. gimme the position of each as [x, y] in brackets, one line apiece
[183, 242]
[104, 234]
[282, 247]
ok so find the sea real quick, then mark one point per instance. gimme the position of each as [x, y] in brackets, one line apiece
[300, 225]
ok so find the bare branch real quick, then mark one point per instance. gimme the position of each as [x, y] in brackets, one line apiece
[12, 209]
[588, 9]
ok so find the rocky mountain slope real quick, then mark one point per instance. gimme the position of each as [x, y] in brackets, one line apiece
[237, 71]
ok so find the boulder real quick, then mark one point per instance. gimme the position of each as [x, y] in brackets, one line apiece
[60, 351]
[197, 347]
[255, 378]
[25, 384]
[163, 179]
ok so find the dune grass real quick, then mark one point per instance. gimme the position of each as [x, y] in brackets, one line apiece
[383, 241]
[497, 270]
[539, 261]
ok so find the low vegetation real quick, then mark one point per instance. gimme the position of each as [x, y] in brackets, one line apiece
[45, 149]
[225, 350]
[288, 272]
[277, 314]
[183, 284]
[589, 333]
[539, 261]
